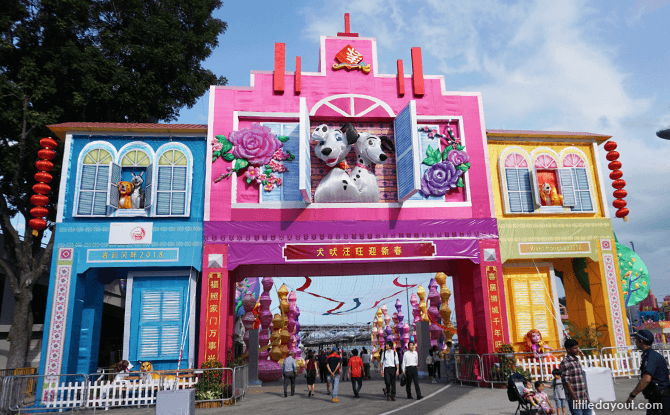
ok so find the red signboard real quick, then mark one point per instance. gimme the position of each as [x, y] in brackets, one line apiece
[354, 251]
[495, 302]
[213, 315]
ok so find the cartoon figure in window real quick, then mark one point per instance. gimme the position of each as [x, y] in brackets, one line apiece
[549, 195]
[137, 196]
[125, 190]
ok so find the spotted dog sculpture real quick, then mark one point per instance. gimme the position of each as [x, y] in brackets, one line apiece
[332, 147]
[369, 151]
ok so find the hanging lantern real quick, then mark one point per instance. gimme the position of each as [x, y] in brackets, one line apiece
[41, 188]
[618, 183]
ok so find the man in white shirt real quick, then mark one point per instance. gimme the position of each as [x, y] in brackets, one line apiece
[390, 370]
[410, 363]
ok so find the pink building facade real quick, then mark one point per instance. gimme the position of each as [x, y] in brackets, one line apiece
[254, 232]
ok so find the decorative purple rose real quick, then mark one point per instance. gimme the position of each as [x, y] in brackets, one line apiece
[440, 178]
[458, 157]
[256, 144]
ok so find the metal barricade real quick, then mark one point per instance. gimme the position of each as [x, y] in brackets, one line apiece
[213, 387]
[622, 361]
[240, 381]
[468, 368]
[39, 392]
[124, 389]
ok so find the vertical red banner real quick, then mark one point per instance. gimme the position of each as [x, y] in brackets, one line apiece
[213, 315]
[495, 302]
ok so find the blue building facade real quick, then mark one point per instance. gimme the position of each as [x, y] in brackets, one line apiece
[150, 240]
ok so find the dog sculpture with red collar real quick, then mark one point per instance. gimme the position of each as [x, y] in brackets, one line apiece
[332, 147]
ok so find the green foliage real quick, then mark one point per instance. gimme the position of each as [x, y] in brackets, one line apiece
[433, 156]
[213, 384]
[506, 365]
[588, 337]
[283, 138]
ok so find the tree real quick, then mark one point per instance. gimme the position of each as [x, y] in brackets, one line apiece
[85, 60]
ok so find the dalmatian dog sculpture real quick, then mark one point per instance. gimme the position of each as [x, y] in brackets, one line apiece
[332, 147]
[369, 151]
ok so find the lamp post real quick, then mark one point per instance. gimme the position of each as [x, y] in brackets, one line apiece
[664, 133]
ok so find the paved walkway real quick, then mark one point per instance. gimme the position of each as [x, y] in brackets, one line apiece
[440, 398]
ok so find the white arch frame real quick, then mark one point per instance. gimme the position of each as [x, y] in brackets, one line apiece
[99, 144]
[352, 112]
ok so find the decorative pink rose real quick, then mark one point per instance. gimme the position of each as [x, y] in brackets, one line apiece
[217, 146]
[256, 144]
[458, 157]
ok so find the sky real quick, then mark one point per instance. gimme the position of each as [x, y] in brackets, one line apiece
[597, 66]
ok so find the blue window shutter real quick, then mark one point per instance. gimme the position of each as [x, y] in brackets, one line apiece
[101, 191]
[291, 178]
[408, 159]
[305, 169]
[582, 189]
[114, 180]
[148, 186]
[164, 190]
[149, 340]
[567, 187]
[275, 194]
[527, 193]
[88, 174]
[85, 205]
[160, 324]
[424, 142]
[178, 205]
[519, 190]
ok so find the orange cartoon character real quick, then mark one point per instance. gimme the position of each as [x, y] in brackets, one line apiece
[535, 345]
[125, 189]
[549, 195]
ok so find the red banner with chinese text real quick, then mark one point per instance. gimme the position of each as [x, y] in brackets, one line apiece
[495, 302]
[353, 251]
[213, 315]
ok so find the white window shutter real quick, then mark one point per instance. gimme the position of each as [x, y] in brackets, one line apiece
[149, 341]
[567, 186]
[407, 154]
[536, 188]
[291, 178]
[148, 186]
[305, 176]
[114, 180]
[582, 188]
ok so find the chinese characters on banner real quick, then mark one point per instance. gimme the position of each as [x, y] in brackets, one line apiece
[495, 302]
[132, 255]
[330, 252]
[213, 315]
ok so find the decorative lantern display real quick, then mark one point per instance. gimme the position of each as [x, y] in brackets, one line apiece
[248, 319]
[41, 188]
[445, 312]
[618, 182]
[266, 318]
[434, 312]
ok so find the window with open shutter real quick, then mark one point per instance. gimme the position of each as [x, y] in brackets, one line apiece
[407, 154]
[531, 305]
[579, 177]
[425, 140]
[305, 164]
[161, 324]
[518, 184]
[173, 182]
[94, 183]
[289, 191]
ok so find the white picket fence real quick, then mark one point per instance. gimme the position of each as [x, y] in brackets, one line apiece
[132, 392]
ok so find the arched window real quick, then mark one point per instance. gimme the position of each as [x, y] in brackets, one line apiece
[136, 161]
[575, 183]
[173, 187]
[545, 161]
[94, 187]
[518, 183]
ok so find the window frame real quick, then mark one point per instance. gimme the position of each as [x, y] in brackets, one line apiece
[503, 178]
[591, 182]
[95, 145]
[125, 149]
[189, 178]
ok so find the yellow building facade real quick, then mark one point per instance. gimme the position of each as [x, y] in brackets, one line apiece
[553, 224]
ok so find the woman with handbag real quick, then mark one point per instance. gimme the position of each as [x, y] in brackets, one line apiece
[311, 373]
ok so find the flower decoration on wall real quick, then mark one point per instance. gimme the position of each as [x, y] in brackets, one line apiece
[257, 152]
[446, 167]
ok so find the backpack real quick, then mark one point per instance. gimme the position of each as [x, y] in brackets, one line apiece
[310, 365]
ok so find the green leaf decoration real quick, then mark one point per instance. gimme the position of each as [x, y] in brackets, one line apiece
[463, 167]
[217, 153]
[265, 182]
[220, 137]
[460, 182]
[267, 171]
[248, 180]
[460, 147]
[240, 164]
[214, 158]
[446, 151]
[434, 156]
[283, 138]
[228, 157]
[468, 164]
[227, 145]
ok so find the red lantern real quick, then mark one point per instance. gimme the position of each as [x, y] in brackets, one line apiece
[37, 224]
[46, 154]
[43, 177]
[622, 213]
[610, 145]
[619, 184]
[615, 165]
[39, 200]
[39, 211]
[620, 194]
[611, 156]
[616, 174]
[44, 165]
[48, 143]
[618, 203]
[41, 188]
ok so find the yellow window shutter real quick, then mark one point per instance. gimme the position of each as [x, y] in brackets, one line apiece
[521, 306]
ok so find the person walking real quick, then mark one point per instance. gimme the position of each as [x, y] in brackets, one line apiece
[410, 367]
[390, 370]
[289, 369]
[345, 366]
[322, 366]
[356, 368]
[312, 371]
[365, 357]
[429, 365]
[333, 365]
[654, 380]
[437, 363]
[451, 363]
[574, 381]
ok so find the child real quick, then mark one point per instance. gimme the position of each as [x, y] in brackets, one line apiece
[542, 399]
[559, 392]
[529, 393]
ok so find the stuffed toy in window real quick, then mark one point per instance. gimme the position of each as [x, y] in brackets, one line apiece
[125, 189]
